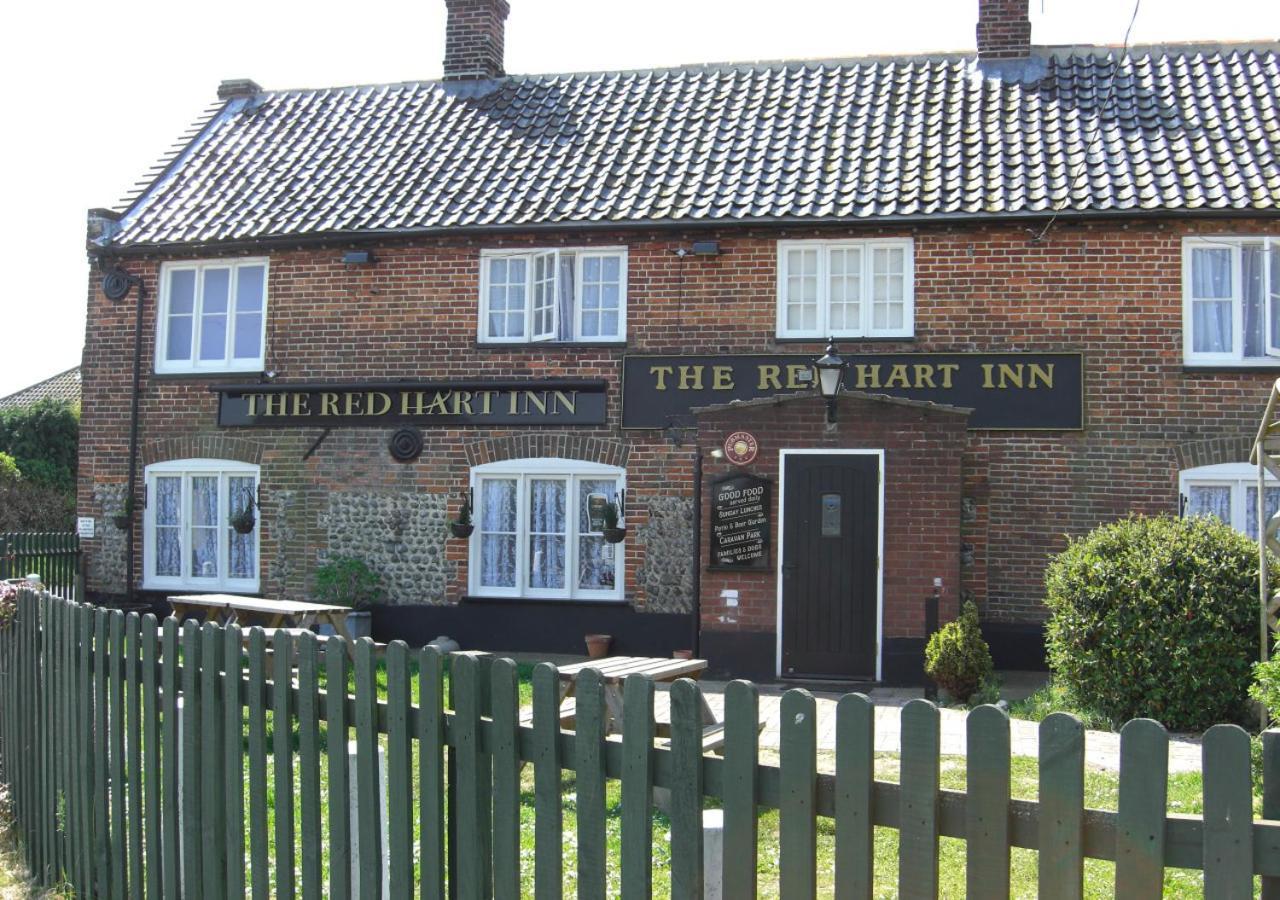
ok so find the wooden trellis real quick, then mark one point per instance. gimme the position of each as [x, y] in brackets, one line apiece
[1266, 456]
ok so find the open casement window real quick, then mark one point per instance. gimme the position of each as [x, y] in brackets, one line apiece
[188, 541]
[534, 537]
[845, 288]
[212, 316]
[1231, 289]
[1228, 491]
[553, 295]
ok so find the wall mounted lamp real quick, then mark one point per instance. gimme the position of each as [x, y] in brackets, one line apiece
[828, 372]
[357, 258]
[699, 248]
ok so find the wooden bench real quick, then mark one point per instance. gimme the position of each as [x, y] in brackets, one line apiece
[568, 714]
[712, 738]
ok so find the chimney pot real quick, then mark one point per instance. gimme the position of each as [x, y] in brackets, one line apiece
[238, 87]
[1004, 29]
[474, 37]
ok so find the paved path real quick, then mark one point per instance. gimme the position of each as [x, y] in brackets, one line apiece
[1102, 748]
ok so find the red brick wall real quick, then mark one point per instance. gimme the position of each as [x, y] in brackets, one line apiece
[922, 488]
[1109, 289]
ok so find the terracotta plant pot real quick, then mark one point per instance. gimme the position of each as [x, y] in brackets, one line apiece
[460, 530]
[682, 654]
[598, 645]
[615, 535]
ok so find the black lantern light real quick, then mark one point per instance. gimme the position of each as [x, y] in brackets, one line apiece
[828, 372]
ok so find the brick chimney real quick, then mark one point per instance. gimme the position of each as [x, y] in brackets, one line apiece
[1004, 29]
[473, 39]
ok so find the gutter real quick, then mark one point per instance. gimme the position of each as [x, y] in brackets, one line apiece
[388, 234]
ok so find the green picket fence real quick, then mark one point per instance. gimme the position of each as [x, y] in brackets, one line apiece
[54, 556]
[149, 760]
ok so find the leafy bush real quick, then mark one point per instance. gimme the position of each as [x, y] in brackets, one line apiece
[9, 471]
[957, 657]
[347, 581]
[43, 439]
[1156, 617]
[1266, 684]
[28, 506]
[8, 604]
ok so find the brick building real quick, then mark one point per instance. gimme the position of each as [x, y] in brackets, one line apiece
[1051, 273]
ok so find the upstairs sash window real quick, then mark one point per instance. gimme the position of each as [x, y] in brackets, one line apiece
[553, 295]
[534, 536]
[1231, 300]
[212, 316]
[845, 288]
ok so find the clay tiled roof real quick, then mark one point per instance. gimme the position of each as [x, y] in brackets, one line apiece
[1072, 131]
[63, 387]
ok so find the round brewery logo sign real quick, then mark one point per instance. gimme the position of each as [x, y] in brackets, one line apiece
[741, 448]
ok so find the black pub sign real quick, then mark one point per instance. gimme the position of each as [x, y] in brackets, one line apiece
[740, 522]
[1009, 391]
[528, 402]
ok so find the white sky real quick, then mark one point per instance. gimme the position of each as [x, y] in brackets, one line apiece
[95, 93]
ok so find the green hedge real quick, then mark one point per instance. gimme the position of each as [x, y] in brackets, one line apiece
[1156, 617]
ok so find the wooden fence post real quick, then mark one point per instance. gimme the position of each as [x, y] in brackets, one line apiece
[1271, 797]
[1144, 779]
[918, 815]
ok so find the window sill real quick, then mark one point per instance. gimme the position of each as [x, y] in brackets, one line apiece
[847, 340]
[176, 589]
[551, 345]
[1230, 368]
[205, 376]
[546, 601]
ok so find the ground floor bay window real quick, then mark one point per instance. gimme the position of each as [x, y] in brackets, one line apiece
[1228, 491]
[535, 533]
[188, 540]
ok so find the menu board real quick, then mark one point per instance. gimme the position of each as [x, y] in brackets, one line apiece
[740, 523]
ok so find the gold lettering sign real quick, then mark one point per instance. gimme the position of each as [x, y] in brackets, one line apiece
[1006, 391]
[518, 403]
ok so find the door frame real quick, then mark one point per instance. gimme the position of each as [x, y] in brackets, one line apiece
[782, 531]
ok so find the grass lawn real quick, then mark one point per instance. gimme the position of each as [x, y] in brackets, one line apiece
[1100, 792]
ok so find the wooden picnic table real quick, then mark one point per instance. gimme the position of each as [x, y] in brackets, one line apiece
[228, 609]
[614, 671]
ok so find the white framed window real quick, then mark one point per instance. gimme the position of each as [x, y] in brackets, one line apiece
[846, 289]
[188, 541]
[553, 295]
[1228, 491]
[1231, 300]
[533, 535]
[212, 316]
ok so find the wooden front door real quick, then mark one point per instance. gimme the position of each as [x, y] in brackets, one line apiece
[830, 565]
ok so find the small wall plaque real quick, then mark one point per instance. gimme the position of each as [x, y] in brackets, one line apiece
[84, 526]
[741, 447]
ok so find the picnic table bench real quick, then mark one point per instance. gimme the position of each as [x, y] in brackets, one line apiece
[232, 609]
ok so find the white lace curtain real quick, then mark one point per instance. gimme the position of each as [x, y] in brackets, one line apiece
[545, 533]
[1211, 299]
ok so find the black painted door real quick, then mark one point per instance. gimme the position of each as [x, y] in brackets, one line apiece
[830, 529]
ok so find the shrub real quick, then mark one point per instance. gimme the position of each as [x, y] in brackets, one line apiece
[957, 657]
[1266, 684]
[8, 604]
[43, 438]
[8, 469]
[1156, 617]
[347, 581]
[30, 506]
